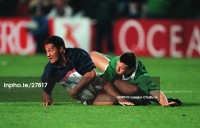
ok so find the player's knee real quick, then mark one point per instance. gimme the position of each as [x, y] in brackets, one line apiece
[92, 53]
[111, 99]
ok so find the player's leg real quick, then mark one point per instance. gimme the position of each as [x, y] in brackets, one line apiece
[99, 60]
[131, 92]
[103, 98]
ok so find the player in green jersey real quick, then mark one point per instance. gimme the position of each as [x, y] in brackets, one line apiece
[126, 77]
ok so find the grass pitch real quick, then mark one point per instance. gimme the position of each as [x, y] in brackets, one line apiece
[179, 79]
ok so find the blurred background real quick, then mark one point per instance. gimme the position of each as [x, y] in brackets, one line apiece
[167, 9]
[158, 28]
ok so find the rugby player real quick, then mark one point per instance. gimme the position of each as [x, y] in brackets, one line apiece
[126, 75]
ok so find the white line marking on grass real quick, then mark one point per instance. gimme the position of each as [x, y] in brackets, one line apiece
[181, 91]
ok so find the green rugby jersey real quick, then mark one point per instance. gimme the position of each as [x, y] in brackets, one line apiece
[139, 77]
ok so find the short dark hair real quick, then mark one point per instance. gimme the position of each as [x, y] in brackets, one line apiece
[56, 41]
[129, 59]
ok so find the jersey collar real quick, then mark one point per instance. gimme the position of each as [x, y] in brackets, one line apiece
[133, 74]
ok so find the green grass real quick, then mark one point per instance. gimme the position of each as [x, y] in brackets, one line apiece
[179, 79]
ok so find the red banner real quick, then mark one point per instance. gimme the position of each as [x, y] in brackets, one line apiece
[14, 39]
[158, 38]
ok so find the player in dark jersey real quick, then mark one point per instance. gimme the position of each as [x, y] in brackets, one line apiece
[127, 75]
[65, 61]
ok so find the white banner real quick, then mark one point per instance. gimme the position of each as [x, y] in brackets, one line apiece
[76, 32]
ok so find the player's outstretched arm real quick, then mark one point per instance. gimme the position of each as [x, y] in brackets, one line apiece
[46, 92]
[162, 99]
[111, 91]
[84, 82]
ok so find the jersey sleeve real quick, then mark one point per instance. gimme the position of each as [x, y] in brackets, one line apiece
[110, 72]
[107, 56]
[84, 62]
[48, 77]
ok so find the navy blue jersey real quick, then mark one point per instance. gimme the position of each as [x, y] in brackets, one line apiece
[77, 60]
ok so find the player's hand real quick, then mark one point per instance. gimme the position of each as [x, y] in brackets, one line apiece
[124, 102]
[47, 103]
[72, 93]
[47, 100]
[172, 104]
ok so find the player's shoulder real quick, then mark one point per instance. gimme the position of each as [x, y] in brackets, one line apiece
[114, 60]
[112, 64]
[75, 52]
[139, 63]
